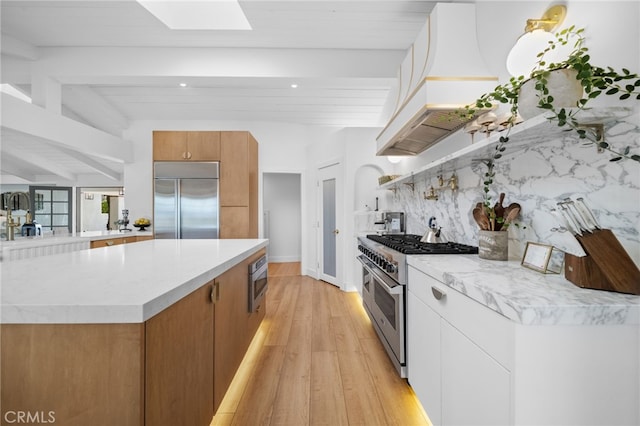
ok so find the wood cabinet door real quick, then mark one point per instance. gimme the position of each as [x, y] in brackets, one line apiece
[234, 169]
[73, 374]
[234, 222]
[179, 362]
[169, 145]
[107, 243]
[253, 187]
[231, 316]
[203, 146]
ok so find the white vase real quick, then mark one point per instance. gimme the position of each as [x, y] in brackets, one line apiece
[562, 85]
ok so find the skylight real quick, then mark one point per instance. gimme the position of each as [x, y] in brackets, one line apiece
[198, 15]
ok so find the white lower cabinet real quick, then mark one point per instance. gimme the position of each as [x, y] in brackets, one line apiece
[456, 380]
[475, 387]
[469, 365]
[423, 355]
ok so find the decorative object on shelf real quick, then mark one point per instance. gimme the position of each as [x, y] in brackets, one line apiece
[386, 178]
[452, 184]
[594, 81]
[142, 223]
[543, 258]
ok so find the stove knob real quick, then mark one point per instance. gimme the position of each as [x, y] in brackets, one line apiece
[390, 268]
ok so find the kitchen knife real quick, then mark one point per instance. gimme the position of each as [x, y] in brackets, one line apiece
[564, 241]
[586, 212]
[580, 220]
[571, 224]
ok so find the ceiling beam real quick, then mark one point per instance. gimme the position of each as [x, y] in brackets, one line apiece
[104, 65]
[94, 109]
[90, 162]
[18, 48]
[39, 161]
[15, 166]
[62, 131]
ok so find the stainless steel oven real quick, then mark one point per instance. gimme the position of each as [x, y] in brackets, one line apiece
[384, 279]
[384, 300]
[258, 282]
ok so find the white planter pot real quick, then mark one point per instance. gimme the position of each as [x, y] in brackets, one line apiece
[562, 85]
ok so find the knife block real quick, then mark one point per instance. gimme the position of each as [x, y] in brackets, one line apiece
[607, 265]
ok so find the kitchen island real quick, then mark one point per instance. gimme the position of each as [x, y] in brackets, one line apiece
[35, 246]
[129, 334]
[492, 342]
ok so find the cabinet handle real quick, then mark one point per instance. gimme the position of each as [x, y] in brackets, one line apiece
[109, 243]
[188, 155]
[215, 293]
[437, 293]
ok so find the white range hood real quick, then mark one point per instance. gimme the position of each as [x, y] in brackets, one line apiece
[443, 71]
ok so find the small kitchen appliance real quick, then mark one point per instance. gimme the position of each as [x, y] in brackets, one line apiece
[394, 222]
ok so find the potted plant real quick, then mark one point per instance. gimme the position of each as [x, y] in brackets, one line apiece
[594, 81]
[591, 82]
[494, 219]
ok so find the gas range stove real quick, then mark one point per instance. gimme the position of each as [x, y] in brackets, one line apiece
[411, 244]
[388, 252]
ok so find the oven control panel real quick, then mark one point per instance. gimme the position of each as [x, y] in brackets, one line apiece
[383, 260]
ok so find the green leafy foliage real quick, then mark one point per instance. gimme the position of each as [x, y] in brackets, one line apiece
[595, 81]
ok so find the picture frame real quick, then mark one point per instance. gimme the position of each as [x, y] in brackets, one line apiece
[543, 258]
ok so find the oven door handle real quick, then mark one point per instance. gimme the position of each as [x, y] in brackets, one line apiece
[391, 289]
[396, 289]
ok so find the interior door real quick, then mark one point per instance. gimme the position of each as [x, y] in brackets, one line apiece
[330, 248]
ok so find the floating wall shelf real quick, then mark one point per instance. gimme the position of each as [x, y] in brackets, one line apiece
[521, 136]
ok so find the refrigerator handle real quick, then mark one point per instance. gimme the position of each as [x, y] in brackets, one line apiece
[178, 210]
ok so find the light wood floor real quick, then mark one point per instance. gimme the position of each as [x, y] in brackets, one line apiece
[316, 360]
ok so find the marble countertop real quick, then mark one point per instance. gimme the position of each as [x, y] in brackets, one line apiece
[38, 241]
[126, 283]
[526, 296]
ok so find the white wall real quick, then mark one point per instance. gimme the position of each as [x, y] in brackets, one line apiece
[281, 202]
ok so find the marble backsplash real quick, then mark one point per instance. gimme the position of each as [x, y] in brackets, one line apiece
[546, 172]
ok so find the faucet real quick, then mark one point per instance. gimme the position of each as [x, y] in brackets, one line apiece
[10, 225]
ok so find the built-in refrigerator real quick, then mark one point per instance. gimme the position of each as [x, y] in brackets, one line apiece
[185, 202]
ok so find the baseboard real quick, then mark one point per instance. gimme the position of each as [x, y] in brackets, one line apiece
[283, 259]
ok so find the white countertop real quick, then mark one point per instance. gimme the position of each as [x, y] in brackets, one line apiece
[526, 296]
[126, 283]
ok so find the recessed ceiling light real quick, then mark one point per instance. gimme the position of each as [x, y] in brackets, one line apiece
[183, 84]
[198, 15]
[294, 86]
